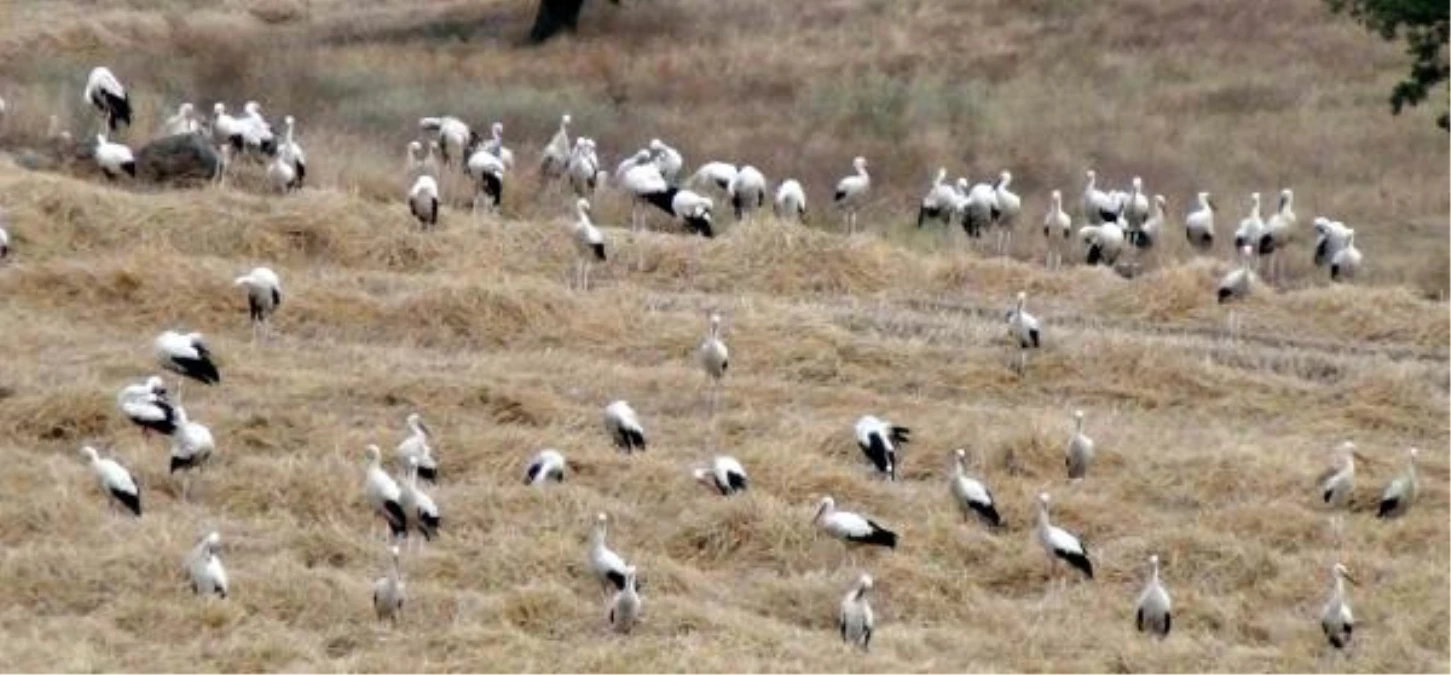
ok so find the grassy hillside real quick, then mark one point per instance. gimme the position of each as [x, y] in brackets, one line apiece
[1208, 449]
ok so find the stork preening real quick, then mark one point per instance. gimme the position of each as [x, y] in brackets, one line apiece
[606, 565]
[495, 146]
[186, 354]
[388, 590]
[1329, 239]
[114, 158]
[589, 244]
[554, 159]
[855, 619]
[626, 604]
[546, 466]
[1024, 329]
[971, 494]
[666, 159]
[256, 132]
[264, 296]
[1154, 612]
[1199, 224]
[715, 174]
[1057, 230]
[423, 201]
[1336, 619]
[120, 487]
[878, 440]
[183, 122]
[384, 496]
[623, 426]
[1009, 205]
[724, 474]
[851, 192]
[747, 191]
[105, 93]
[714, 360]
[191, 446]
[1079, 454]
[1398, 496]
[1059, 544]
[641, 179]
[1346, 263]
[790, 201]
[851, 527]
[456, 140]
[204, 567]
[147, 406]
[421, 511]
[417, 447]
[583, 167]
[487, 172]
[1335, 485]
[1236, 285]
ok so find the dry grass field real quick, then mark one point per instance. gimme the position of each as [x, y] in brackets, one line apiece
[1207, 449]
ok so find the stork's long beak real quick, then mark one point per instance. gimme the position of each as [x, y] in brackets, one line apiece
[819, 510]
[1349, 578]
[426, 431]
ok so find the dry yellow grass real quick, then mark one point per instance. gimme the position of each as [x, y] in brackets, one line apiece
[1207, 450]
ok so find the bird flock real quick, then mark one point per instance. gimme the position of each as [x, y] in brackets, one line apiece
[1114, 222]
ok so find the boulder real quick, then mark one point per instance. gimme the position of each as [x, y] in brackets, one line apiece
[180, 158]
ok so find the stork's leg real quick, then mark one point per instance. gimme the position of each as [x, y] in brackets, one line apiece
[585, 280]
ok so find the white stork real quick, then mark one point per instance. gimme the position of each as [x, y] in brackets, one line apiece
[264, 296]
[1057, 228]
[495, 146]
[1329, 239]
[1398, 496]
[1237, 284]
[114, 158]
[115, 480]
[1199, 224]
[420, 509]
[423, 201]
[625, 606]
[1252, 226]
[583, 167]
[878, 440]
[383, 494]
[748, 191]
[1278, 232]
[623, 426]
[488, 172]
[204, 567]
[1346, 263]
[105, 92]
[980, 209]
[851, 192]
[1336, 619]
[455, 140]
[1154, 613]
[191, 446]
[1097, 205]
[939, 202]
[973, 497]
[1024, 329]
[715, 174]
[605, 564]
[546, 466]
[388, 590]
[1335, 485]
[851, 527]
[1059, 544]
[417, 446]
[666, 159]
[147, 407]
[855, 620]
[186, 354]
[183, 122]
[714, 359]
[554, 160]
[589, 243]
[1079, 454]
[790, 200]
[724, 474]
[1009, 206]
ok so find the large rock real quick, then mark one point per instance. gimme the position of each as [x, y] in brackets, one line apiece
[180, 158]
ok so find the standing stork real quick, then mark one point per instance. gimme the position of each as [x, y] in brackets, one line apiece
[1235, 285]
[666, 159]
[191, 447]
[495, 145]
[642, 180]
[114, 158]
[204, 567]
[388, 590]
[115, 480]
[1252, 227]
[1346, 263]
[264, 296]
[183, 122]
[939, 202]
[878, 440]
[714, 359]
[488, 172]
[1024, 329]
[1398, 496]
[417, 446]
[625, 606]
[1059, 544]
[748, 191]
[1057, 228]
[1009, 205]
[423, 201]
[420, 509]
[623, 426]
[186, 354]
[554, 160]
[589, 244]
[973, 497]
[724, 474]
[1336, 619]
[1154, 611]
[1098, 207]
[1199, 224]
[1080, 450]
[851, 527]
[583, 167]
[105, 92]
[1278, 232]
[455, 140]
[607, 566]
[383, 494]
[855, 619]
[547, 466]
[715, 174]
[147, 407]
[1336, 484]
[851, 192]
[790, 200]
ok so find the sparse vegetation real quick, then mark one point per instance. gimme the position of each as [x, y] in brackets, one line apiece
[1207, 452]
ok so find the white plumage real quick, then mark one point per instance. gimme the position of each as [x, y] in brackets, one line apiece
[939, 202]
[547, 465]
[623, 426]
[626, 605]
[712, 354]
[1252, 226]
[1059, 544]
[192, 443]
[1057, 228]
[694, 211]
[1346, 263]
[605, 564]
[724, 474]
[283, 171]
[583, 167]
[389, 592]
[1079, 455]
[790, 200]
[1024, 327]
[264, 295]
[972, 496]
[416, 446]
[1239, 281]
[226, 129]
[851, 527]
[1104, 241]
[105, 92]
[495, 146]
[1329, 239]
[488, 172]
[114, 158]
[205, 569]
[1009, 205]
[1135, 204]
[4, 244]
[1199, 224]
[256, 132]
[293, 150]
[716, 174]
[1335, 485]
[423, 200]
[554, 160]
[878, 440]
[666, 159]
[420, 508]
[183, 122]
[186, 354]
[1400, 494]
[147, 407]
[1097, 205]
[1280, 228]
[747, 191]
[1154, 611]
[851, 192]
[589, 243]
[115, 480]
[855, 619]
[980, 209]
[1336, 619]
[383, 494]
[455, 139]
[640, 178]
